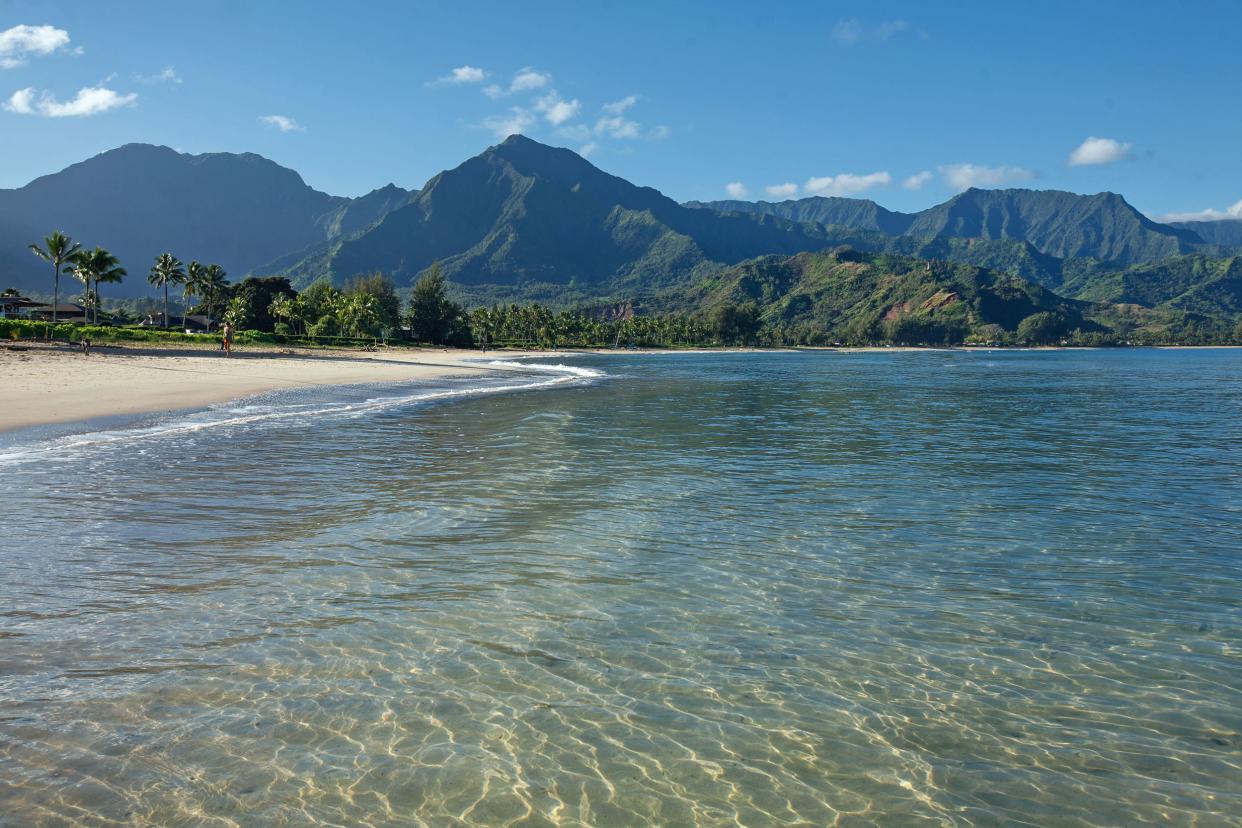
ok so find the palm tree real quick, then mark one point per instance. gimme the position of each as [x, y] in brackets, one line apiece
[214, 286]
[195, 282]
[58, 249]
[166, 271]
[96, 266]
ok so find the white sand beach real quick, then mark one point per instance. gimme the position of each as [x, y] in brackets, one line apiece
[55, 384]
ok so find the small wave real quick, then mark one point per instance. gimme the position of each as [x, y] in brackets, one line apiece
[66, 448]
[535, 366]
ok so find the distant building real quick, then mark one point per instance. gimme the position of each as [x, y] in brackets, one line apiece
[42, 312]
[17, 307]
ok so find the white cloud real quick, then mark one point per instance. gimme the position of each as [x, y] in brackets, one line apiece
[788, 190]
[282, 122]
[165, 75]
[617, 107]
[546, 104]
[21, 102]
[846, 184]
[964, 176]
[737, 189]
[916, 181]
[1234, 212]
[555, 109]
[618, 127]
[518, 120]
[19, 42]
[460, 75]
[852, 31]
[1098, 151]
[90, 100]
[527, 79]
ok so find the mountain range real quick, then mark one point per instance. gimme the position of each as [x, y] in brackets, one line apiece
[522, 220]
[236, 210]
[1057, 223]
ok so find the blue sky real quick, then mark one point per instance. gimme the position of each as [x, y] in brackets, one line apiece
[904, 103]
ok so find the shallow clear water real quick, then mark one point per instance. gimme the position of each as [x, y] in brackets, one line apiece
[815, 589]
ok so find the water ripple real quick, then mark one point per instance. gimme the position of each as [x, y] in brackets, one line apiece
[803, 589]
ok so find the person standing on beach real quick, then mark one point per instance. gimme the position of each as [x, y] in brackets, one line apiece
[226, 338]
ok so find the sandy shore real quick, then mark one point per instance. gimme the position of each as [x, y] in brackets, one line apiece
[40, 385]
[55, 384]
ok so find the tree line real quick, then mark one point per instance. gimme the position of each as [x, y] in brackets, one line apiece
[97, 266]
[371, 306]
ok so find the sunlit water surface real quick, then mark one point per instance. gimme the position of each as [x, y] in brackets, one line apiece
[805, 589]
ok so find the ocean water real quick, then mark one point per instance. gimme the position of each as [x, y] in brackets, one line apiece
[934, 588]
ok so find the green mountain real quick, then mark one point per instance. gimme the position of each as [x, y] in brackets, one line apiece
[847, 295]
[1055, 223]
[854, 213]
[355, 215]
[1226, 232]
[1194, 283]
[1066, 225]
[237, 210]
[527, 222]
[525, 213]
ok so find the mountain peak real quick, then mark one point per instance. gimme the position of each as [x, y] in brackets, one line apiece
[518, 146]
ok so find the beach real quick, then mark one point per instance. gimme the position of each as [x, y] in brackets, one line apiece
[56, 384]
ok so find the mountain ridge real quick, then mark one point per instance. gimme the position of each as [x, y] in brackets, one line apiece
[523, 219]
[523, 211]
[239, 210]
[1056, 222]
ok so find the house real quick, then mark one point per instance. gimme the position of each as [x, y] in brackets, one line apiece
[200, 323]
[42, 312]
[17, 307]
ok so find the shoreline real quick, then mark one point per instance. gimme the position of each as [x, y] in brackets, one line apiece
[57, 385]
[53, 384]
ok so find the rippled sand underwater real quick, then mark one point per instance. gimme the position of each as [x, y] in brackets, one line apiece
[823, 589]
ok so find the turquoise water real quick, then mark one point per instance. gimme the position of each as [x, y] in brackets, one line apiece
[945, 588]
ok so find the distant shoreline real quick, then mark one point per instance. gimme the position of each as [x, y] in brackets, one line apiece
[45, 385]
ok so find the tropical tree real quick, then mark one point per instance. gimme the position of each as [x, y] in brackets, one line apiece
[433, 317]
[359, 313]
[237, 313]
[215, 285]
[290, 310]
[93, 267]
[193, 285]
[388, 302]
[166, 271]
[483, 325]
[58, 249]
[258, 293]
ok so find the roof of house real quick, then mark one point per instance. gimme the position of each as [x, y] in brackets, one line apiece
[62, 308]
